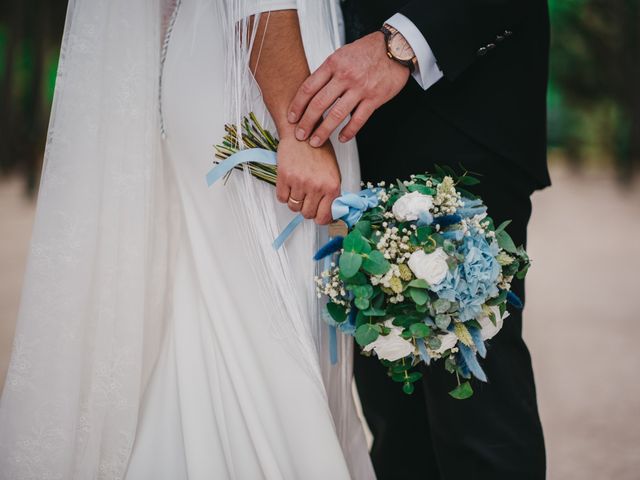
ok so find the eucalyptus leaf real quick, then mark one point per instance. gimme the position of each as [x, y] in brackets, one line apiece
[355, 242]
[400, 367]
[375, 263]
[418, 295]
[364, 226]
[349, 264]
[462, 391]
[423, 233]
[364, 291]
[434, 343]
[362, 303]
[337, 312]
[443, 321]
[406, 334]
[441, 305]
[358, 279]
[366, 334]
[418, 283]
[420, 330]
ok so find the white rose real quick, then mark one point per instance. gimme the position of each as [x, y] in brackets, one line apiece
[391, 347]
[446, 342]
[489, 330]
[409, 206]
[431, 267]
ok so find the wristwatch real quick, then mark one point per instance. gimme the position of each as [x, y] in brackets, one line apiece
[398, 48]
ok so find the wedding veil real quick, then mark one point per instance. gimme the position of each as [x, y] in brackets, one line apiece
[91, 312]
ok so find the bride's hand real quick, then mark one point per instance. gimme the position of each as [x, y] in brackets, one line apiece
[308, 178]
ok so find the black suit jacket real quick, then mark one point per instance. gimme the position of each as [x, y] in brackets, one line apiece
[494, 57]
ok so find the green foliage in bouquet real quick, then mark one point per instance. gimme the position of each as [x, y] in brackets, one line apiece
[425, 275]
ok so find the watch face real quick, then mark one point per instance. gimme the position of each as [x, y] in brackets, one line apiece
[400, 48]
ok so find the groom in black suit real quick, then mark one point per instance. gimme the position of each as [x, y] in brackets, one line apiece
[477, 99]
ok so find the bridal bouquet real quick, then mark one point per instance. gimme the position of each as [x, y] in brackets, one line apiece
[422, 273]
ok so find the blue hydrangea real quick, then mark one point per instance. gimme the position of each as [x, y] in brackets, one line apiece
[473, 281]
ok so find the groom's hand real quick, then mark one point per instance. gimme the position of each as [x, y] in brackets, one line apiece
[308, 178]
[356, 79]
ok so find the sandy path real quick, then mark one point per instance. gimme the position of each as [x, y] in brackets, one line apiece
[581, 321]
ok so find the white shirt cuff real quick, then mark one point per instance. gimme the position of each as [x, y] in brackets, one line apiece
[427, 73]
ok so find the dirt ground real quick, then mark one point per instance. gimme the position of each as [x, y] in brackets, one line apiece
[581, 321]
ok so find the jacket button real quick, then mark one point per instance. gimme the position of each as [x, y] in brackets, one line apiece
[508, 33]
[491, 46]
[481, 51]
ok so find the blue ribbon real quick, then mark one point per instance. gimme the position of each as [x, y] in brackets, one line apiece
[348, 207]
[256, 155]
[333, 337]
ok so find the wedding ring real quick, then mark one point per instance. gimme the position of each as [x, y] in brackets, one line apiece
[294, 201]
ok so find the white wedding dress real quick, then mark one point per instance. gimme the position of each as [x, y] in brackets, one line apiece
[194, 350]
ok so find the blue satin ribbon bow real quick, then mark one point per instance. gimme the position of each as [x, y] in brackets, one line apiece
[348, 207]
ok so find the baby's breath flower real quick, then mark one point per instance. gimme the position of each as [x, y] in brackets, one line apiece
[396, 284]
[405, 272]
[504, 258]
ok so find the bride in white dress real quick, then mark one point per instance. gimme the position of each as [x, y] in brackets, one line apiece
[160, 336]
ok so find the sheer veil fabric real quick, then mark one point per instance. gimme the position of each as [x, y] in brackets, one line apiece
[107, 246]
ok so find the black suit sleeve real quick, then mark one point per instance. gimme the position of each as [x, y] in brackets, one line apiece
[460, 32]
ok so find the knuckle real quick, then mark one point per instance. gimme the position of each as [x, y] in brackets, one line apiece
[358, 119]
[318, 102]
[338, 112]
[346, 73]
[347, 133]
[333, 60]
[306, 88]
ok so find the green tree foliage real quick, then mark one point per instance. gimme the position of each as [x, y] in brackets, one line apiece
[594, 78]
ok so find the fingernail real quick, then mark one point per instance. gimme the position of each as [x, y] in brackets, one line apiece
[315, 141]
[292, 117]
[342, 138]
[299, 134]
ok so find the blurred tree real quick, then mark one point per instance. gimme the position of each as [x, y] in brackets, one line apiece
[30, 43]
[595, 62]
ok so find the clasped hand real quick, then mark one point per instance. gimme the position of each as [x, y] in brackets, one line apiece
[356, 79]
[308, 178]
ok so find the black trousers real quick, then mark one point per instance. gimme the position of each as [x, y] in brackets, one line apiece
[496, 434]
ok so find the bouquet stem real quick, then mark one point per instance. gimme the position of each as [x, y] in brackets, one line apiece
[252, 135]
